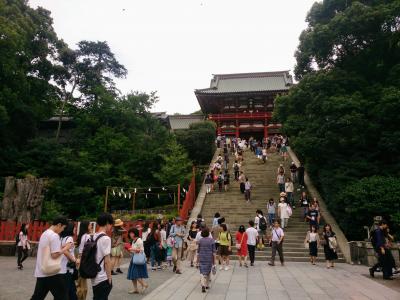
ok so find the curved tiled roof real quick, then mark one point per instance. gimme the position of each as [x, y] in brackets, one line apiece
[248, 82]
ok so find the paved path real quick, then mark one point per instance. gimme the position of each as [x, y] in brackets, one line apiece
[19, 285]
[294, 281]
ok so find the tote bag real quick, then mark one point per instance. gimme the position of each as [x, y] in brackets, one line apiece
[139, 259]
[50, 266]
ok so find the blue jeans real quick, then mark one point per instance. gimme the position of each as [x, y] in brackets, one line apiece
[155, 255]
[281, 187]
[271, 218]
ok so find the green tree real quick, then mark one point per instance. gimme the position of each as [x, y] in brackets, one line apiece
[176, 167]
[342, 116]
[199, 141]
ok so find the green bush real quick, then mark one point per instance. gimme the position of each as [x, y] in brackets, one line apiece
[357, 204]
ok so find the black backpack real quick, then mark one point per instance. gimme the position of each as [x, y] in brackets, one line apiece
[263, 223]
[89, 267]
[236, 167]
[220, 180]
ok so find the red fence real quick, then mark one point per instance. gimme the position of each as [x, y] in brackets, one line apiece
[189, 201]
[9, 229]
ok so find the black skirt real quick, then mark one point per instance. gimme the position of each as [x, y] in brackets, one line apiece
[242, 187]
[313, 248]
[329, 253]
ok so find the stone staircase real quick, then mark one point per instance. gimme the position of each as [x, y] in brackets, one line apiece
[233, 207]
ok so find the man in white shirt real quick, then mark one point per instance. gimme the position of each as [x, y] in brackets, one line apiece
[277, 236]
[102, 283]
[252, 237]
[45, 282]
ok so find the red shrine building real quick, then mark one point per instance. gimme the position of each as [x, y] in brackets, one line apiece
[241, 105]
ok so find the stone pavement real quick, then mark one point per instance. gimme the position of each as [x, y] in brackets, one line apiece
[19, 285]
[293, 281]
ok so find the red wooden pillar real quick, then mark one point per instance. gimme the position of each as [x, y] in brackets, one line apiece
[265, 130]
[237, 129]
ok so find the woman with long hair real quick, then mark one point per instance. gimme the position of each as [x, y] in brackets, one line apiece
[23, 245]
[154, 242]
[137, 272]
[68, 260]
[85, 231]
[241, 245]
[192, 244]
[330, 246]
[312, 240]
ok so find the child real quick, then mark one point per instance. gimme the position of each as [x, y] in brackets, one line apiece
[170, 245]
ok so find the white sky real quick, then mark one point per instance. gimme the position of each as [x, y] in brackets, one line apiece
[175, 46]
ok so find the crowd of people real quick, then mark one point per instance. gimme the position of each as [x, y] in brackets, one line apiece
[64, 264]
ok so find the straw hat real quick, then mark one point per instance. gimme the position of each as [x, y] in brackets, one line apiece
[283, 194]
[118, 223]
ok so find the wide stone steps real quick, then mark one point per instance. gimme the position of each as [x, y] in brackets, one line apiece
[233, 207]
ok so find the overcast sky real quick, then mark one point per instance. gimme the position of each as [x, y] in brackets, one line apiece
[175, 46]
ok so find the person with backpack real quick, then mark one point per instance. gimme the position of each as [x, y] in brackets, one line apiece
[220, 181]
[23, 245]
[85, 231]
[277, 236]
[48, 263]
[382, 249]
[330, 246]
[96, 262]
[225, 242]
[261, 226]
[236, 169]
[68, 261]
[137, 270]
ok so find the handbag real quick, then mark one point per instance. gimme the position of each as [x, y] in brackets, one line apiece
[139, 259]
[50, 266]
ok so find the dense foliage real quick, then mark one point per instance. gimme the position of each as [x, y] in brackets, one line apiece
[198, 141]
[114, 140]
[343, 116]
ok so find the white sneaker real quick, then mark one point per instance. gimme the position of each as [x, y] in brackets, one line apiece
[221, 268]
[226, 268]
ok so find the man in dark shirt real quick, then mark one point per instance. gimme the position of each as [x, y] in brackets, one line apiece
[313, 216]
[300, 174]
[385, 257]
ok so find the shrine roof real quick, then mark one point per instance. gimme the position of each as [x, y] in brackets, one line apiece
[183, 121]
[248, 82]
